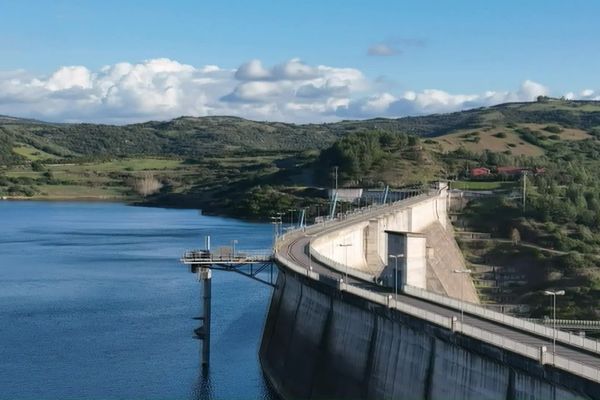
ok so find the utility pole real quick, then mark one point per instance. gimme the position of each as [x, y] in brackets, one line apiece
[336, 178]
[524, 189]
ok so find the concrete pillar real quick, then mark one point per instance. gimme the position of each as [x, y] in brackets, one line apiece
[372, 254]
[205, 276]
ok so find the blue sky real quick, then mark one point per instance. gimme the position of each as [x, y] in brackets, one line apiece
[460, 48]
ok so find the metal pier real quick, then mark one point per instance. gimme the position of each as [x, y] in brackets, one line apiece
[251, 264]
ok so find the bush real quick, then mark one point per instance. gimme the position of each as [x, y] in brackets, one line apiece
[553, 129]
[37, 166]
[500, 135]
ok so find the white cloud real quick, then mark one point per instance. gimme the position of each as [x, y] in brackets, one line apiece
[431, 101]
[252, 70]
[382, 49]
[531, 90]
[587, 93]
[395, 46]
[70, 77]
[291, 91]
[293, 69]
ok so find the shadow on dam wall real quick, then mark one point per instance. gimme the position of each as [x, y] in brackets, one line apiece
[320, 343]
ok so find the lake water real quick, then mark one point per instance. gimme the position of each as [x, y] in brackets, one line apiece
[94, 305]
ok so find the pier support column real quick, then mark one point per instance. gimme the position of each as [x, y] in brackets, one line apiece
[205, 276]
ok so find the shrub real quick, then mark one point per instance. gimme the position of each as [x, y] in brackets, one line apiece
[553, 129]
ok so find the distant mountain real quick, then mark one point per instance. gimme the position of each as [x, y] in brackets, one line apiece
[197, 136]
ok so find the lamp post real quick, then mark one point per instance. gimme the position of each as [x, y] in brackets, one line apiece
[462, 312]
[345, 246]
[309, 252]
[233, 243]
[554, 294]
[395, 257]
[277, 221]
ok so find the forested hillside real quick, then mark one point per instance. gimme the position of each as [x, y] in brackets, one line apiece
[193, 137]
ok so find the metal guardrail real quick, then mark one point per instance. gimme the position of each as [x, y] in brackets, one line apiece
[199, 257]
[522, 324]
[566, 323]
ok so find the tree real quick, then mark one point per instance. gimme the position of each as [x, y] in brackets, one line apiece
[147, 184]
[515, 236]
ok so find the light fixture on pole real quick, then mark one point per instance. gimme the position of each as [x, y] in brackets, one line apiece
[554, 294]
[395, 257]
[462, 312]
[345, 246]
[309, 252]
[233, 243]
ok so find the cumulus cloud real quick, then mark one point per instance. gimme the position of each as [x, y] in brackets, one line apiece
[589, 94]
[432, 101]
[292, 91]
[293, 69]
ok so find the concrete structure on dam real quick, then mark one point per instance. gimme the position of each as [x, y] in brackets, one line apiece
[336, 329]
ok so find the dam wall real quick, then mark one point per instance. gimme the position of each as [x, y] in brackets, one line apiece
[323, 343]
[362, 246]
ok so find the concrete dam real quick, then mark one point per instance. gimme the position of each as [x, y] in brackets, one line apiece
[372, 305]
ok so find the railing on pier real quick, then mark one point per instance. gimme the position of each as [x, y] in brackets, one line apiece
[568, 324]
[202, 257]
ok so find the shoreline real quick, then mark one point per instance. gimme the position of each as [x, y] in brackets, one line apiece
[130, 202]
[81, 199]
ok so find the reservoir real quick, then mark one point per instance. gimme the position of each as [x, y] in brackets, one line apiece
[95, 305]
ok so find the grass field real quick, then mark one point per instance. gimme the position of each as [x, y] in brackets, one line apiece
[476, 185]
[129, 164]
[113, 179]
[66, 192]
[31, 153]
[504, 139]
[95, 180]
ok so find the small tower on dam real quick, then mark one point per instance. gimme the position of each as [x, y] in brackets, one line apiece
[407, 260]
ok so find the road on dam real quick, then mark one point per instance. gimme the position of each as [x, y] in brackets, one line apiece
[296, 251]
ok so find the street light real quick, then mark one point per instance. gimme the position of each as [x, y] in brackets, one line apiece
[462, 312]
[395, 257]
[309, 253]
[345, 246]
[554, 294]
[233, 243]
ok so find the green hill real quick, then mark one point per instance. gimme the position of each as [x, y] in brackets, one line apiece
[198, 158]
[192, 137]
